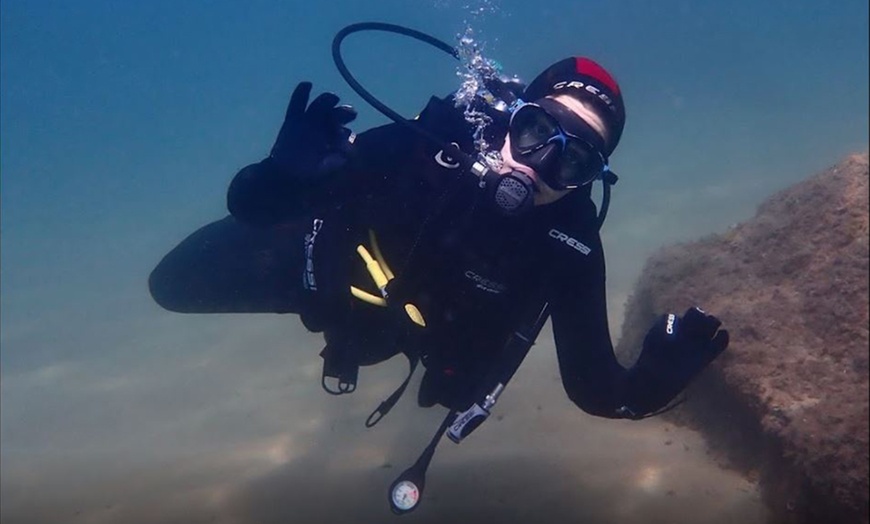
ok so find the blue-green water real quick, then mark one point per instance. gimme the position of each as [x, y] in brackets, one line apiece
[121, 124]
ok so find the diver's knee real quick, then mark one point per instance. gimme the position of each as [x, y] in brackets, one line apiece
[165, 290]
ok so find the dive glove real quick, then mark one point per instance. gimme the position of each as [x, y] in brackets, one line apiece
[313, 139]
[675, 350]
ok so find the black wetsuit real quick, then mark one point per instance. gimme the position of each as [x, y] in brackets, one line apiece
[470, 271]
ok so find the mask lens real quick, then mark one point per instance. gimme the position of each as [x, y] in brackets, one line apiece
[579, 164]
[531, 128]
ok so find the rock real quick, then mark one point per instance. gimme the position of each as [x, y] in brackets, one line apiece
[788, 401]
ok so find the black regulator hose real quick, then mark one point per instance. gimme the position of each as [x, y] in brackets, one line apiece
[454, 152]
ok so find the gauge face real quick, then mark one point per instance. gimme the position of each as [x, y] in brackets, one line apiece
[405, 495]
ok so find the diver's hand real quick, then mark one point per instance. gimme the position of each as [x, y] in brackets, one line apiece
[676, 349]
[313, 141]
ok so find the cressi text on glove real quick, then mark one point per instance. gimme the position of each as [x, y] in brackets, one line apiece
[675, 350]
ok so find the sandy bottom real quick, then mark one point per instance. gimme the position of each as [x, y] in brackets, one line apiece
[269, 446]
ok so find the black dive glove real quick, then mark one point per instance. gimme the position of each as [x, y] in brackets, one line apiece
[313, 141]
[675, 350]
[293, 180]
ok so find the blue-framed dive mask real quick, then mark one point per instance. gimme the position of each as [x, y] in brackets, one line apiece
[564, 160]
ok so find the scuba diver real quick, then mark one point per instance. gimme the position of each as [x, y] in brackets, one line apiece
[383, 242]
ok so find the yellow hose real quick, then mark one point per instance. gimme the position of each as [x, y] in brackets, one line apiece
[381, 274]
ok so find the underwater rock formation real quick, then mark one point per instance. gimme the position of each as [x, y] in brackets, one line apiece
[788, 401]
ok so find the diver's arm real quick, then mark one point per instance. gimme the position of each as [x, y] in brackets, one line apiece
[675, 349]
[592, 377]
[311, 168]
[263, 195]
[309, 156]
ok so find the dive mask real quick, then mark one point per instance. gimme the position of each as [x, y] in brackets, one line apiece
[562, 157]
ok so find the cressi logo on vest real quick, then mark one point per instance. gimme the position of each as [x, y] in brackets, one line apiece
[573, 242]
[309, 281]
[490, 286]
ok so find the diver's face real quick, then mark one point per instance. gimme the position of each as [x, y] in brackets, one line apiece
[544, 194]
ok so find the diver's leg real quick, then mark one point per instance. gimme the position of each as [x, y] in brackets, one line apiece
[229, 267]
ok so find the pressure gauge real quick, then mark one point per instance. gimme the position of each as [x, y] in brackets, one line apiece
[404, 496]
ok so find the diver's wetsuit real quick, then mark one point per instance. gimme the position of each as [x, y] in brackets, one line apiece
[469, 270]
